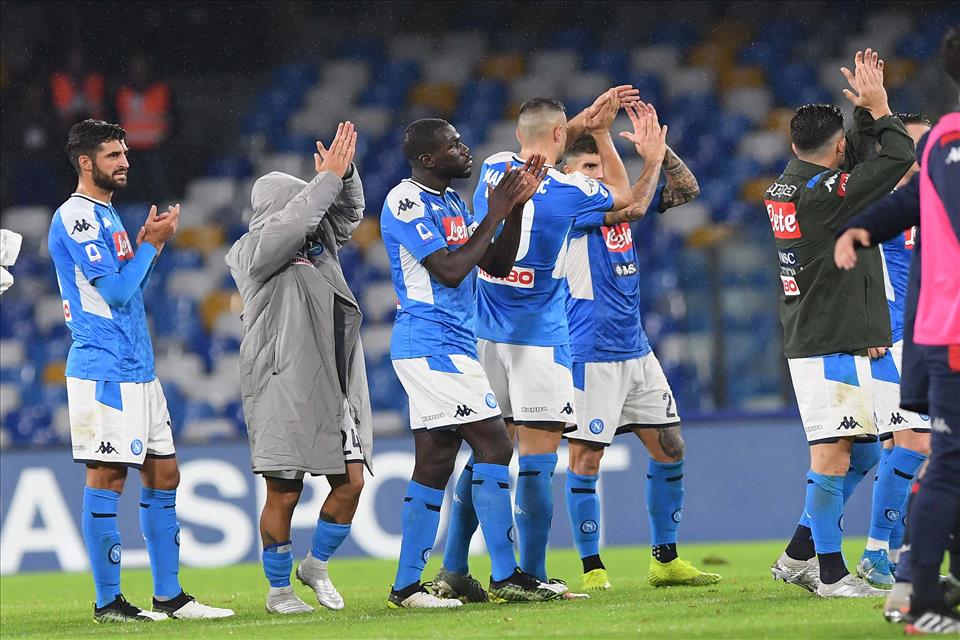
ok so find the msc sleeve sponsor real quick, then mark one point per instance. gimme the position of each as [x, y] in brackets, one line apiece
[783, 219]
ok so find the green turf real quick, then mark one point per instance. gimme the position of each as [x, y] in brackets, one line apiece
[748, 603]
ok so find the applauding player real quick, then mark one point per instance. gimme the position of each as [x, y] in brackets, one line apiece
[833, 320]
[618, 381]
[434, 247]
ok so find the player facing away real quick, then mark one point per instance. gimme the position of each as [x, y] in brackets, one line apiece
[834, 322]
[619, 385]
[905, 435]
[304, 386]
[434, 246]
[524, 343]
[118, 414]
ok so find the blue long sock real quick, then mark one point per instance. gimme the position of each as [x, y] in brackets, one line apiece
[161, 531]
[864, 456]
[491, 495]
[535, 511]
[664, 500]
[421, 518]
[463, 523]
[891, 490]
[327, 538]
[824, 504]
[100, 533]
[583, 508]
[278, 563]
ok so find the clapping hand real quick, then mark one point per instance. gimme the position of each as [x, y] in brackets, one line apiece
[338, 157]
[648, 137]
[866, 83]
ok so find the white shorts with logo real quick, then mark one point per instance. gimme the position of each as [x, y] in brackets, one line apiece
[886, 392]
[835, 394]
[533, 384]
[118, 422]
[446, 391]
[613, 397]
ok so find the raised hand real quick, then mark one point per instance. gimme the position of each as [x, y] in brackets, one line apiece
[338, 157]
[600, 116]
[159, 228]
[866, 83]
[648, 137]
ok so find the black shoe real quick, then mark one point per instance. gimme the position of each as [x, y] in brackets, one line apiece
[122, 611]
[457, 585]
[523, 587]
[939, 620]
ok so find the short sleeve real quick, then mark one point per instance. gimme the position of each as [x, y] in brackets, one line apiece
[80, 237]
[587, 195]
[406, 219]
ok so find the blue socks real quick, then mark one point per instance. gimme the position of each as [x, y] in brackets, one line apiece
[534, 511]
[583, 508]
[327, 538]
[278, 563]
[664, 491]
[100, 533]
[463, 522]
[863, 457]
[421, 518]
[158, 523]
[491, 496]
[890, 493]
[824, 506]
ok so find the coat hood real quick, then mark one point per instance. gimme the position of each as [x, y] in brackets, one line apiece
[270, 194]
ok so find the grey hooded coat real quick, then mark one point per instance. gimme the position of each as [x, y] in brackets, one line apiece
[301, 354]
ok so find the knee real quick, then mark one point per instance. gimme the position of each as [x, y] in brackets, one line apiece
[170, 479]
[671, 447]
[284, 497]
[918, 442]
[435, 473]
[584, 460]
[496, 450]
[350, 491]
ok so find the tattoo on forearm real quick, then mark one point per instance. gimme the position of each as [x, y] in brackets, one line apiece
[681, 184]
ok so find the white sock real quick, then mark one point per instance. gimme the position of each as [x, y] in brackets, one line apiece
[877, 545]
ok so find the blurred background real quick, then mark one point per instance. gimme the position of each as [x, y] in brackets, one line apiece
[220, 93]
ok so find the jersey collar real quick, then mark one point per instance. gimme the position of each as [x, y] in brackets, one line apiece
[86, 197]
[423, 186]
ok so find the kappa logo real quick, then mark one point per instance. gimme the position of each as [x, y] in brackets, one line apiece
[896, 418]
[463, 411]
[406, 204]
[588, 526]
[80, 226]
[953, 156]
[106, 448]
[848, 422]
[567, 409]
[940, 426]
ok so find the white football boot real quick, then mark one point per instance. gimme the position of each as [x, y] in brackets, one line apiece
[313, 573]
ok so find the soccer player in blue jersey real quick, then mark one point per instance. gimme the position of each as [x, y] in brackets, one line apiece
[435, 245]
[905, 434]
[524, 343]
[118, 414]
[620, 386]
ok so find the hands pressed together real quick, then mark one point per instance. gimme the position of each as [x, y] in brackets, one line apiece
[159, 228]
[517, 185]
[338, 157]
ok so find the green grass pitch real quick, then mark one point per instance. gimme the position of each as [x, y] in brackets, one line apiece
[747, 604]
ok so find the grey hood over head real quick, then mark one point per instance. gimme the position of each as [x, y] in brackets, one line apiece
[270, 195]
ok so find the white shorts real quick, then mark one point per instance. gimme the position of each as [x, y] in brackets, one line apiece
[446, 391]
[835, 395]
[886, 392]
[119, 422]
[613, 397]
[533, 384]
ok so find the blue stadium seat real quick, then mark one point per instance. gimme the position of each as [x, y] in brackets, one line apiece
[614, 62]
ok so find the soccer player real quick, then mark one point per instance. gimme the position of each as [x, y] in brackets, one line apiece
[619, 385]
[434, 246]
[118, 415]
[905, 434]
[524, 343]
[931, 358]
[834, 322]
[305, 396]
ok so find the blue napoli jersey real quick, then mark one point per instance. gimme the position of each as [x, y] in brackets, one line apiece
[896, 254]
[432, 319]
[87, 241]
[603, 298]
[528, 306]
